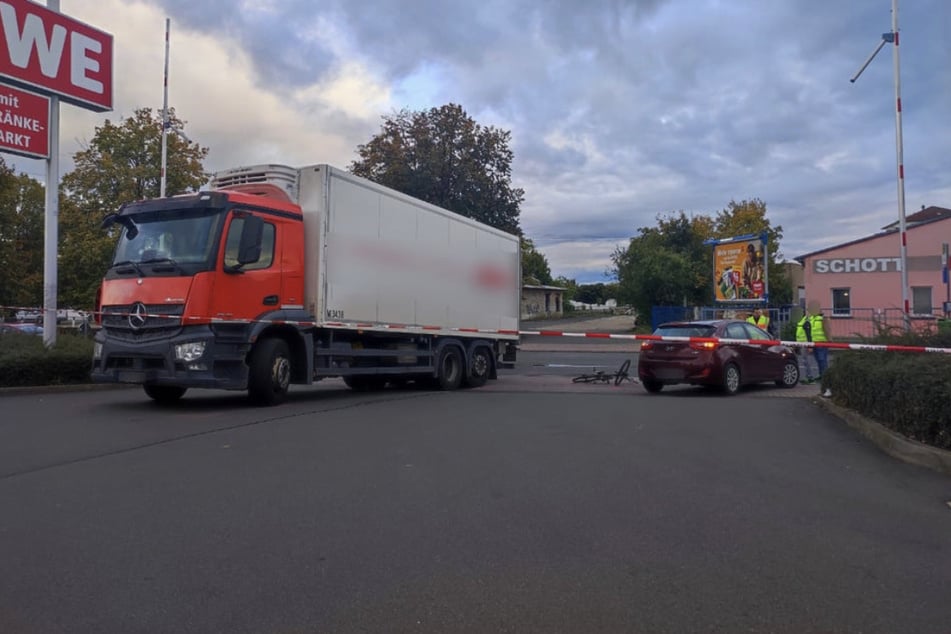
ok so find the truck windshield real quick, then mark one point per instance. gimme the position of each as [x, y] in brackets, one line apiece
[184, 238]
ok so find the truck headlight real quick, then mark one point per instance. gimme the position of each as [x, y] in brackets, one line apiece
[189, 352]
[97, 351]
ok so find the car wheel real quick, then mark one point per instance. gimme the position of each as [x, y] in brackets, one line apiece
[790, 375]
[270, 372]
[164, 394]
[652, 386]
[731, 379]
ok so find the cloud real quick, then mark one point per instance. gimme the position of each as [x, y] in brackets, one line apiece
[619, 109]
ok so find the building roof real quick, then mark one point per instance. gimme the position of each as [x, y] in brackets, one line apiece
[542, 287]
[926, 216]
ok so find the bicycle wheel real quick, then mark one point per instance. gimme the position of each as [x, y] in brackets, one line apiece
[622, 373]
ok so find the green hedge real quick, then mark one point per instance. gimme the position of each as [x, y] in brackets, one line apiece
[25, 361]
[908, 392]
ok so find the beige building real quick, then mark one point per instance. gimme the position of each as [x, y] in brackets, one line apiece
[541, 302]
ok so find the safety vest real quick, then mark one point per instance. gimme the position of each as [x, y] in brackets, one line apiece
[762, 323]
[818, 330]
[800, 328]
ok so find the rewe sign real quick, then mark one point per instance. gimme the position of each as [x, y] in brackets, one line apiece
[54, 54]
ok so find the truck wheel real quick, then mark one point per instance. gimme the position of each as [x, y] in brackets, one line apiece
[164, 394]
[270, 372]
[450, 368]
[480, 364]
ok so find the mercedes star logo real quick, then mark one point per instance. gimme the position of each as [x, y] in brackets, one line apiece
[138, 316]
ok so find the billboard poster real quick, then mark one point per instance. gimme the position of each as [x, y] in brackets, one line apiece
[739, 269]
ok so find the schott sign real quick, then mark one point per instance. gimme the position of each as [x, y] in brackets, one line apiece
[858, 265]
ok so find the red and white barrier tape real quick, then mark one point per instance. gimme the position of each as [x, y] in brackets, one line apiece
[540, 333]
[755, 342]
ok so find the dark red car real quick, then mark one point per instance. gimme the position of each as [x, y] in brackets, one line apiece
[727, 365]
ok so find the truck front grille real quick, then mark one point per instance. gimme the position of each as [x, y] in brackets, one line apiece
[133, 322]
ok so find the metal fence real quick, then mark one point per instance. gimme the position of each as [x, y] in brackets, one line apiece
[858, 323]
[861, 323]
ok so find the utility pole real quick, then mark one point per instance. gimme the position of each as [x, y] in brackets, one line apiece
[165, 114]
[51, 220]
[892, 38]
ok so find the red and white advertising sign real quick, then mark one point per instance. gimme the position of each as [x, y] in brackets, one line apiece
[53, 54]
[24, 123]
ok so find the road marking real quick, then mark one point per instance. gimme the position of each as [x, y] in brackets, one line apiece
[568, 365]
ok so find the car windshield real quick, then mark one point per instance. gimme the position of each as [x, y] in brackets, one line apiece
[177, 236]
[686, 330]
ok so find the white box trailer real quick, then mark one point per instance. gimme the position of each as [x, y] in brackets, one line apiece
[384, 259]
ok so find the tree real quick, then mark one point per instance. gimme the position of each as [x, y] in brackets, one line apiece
[596, 293]
[22, 204]
[570, 286]
[444, 157]
[651, 273]
[534, 264]
[666, 264]
[122, 163]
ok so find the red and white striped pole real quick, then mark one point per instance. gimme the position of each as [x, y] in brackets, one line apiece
[899, 149]
[892, 38]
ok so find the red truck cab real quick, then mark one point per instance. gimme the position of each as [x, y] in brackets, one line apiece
[194, 280]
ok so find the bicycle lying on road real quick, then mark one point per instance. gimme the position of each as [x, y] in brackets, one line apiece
[600, 376]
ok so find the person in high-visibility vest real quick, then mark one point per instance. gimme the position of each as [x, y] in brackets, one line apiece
[806, 355]
[758, 319]
[819, 335]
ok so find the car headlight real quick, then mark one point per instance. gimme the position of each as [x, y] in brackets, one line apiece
[189, 352]
[97, 351]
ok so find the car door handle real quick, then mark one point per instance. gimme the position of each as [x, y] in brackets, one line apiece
[271, 300]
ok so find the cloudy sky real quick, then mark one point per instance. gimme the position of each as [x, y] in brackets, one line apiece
[619, 110]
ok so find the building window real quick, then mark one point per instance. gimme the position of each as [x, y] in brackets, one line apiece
[841, 302]
[921, 300]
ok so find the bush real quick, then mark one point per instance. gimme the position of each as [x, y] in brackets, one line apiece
[25, 361]
[788, 332]
[907, 392]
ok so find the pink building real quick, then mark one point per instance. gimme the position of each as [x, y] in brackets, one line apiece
[858, 283]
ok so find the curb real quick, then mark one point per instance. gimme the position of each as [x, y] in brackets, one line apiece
[61, 389]
[892, 443]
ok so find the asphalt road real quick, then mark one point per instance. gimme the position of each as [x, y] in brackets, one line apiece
[531, 505]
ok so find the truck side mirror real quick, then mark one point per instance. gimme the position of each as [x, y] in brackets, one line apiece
[252, 232]
[131, 230]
